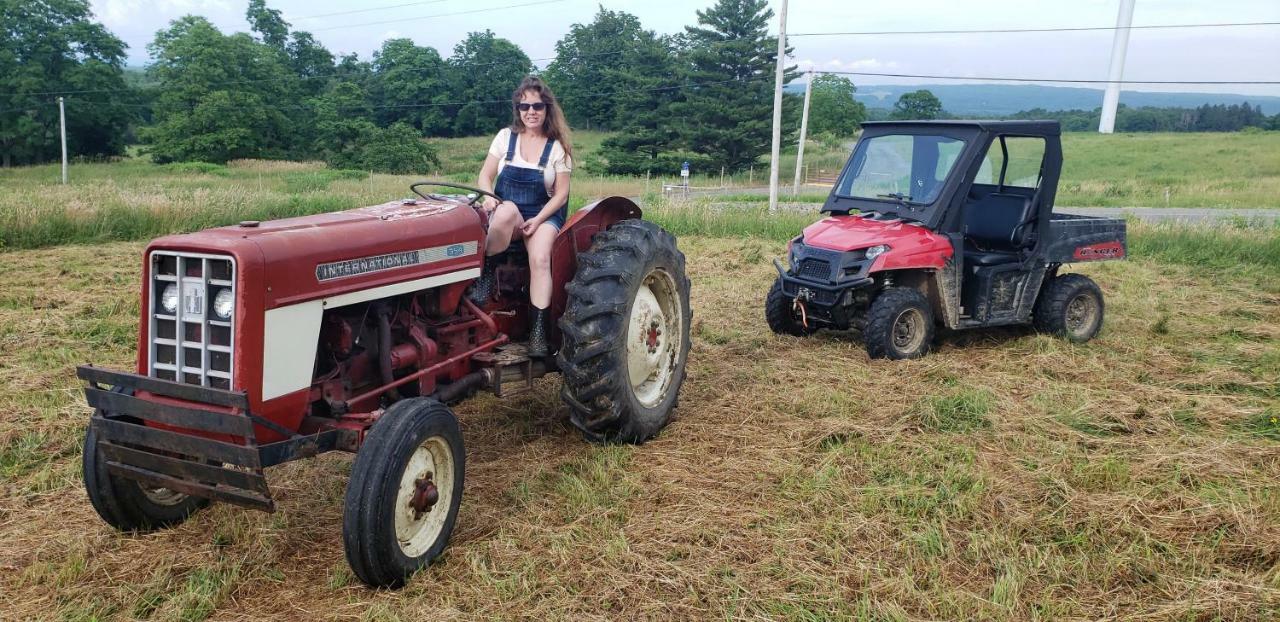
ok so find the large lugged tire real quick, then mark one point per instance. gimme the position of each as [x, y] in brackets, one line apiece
[405, 488]
[1071, 307]
[625, 334]
[779, 312]
[899, 325]
[126, 504]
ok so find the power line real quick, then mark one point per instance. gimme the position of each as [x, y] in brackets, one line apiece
[1058, 80]
[1014, 30]
[410, 19]
[368, 10]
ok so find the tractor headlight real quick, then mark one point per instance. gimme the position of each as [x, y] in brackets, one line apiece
[876, 251]
[169, 298]
[223, 303]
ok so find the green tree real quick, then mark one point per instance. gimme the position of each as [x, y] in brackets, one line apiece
[268, 24]
[411, 84]
[53, 46]
[593, 66]
[310, 61]
[484, 70]
[727, 112]
[920, 104]
[346, 138]
[832, 108]
[647, 141]
[221, 96]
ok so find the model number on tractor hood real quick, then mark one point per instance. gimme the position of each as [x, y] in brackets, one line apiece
[391, 261]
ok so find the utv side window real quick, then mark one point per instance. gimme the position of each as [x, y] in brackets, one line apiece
[1013, 161]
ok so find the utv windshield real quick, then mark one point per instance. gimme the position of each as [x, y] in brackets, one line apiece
[900, 168]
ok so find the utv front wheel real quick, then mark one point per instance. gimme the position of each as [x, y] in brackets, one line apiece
[899, 325]
[625, 333]
[1070, 307]
[126, 504]
[780, 312]
[405, 488]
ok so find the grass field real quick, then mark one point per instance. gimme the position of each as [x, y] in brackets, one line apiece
[134, 199]
[1008, 476]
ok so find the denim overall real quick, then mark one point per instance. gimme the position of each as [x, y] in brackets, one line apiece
[525, 186]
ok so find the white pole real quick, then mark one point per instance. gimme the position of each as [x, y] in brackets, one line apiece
[777, 108]
[804, 128]
[62, 122]
[1119, 45]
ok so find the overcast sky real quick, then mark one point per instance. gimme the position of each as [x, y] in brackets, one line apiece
[1240, 53]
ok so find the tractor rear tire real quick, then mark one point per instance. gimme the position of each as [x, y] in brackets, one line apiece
[126, 504]
[625, 334]
[779, 312]
[405, 489]
[1071, 307]
[899, 325]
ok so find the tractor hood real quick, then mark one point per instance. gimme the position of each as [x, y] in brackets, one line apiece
[910, 245]
[324, 255]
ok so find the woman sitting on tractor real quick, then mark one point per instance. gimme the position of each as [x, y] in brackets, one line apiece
[531, 160]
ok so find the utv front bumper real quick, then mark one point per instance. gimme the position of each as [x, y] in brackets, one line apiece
[187, 438]
[822, 278]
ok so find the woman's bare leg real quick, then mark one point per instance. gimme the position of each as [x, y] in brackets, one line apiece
[539, 248]
[503, 223]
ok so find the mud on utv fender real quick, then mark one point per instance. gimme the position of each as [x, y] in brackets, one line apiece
[594, 356]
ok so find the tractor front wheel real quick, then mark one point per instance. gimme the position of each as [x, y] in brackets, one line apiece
[781, 313]
[1070, 306]
[899, 325]
[126, 504]
[405, 488]
[625, 333]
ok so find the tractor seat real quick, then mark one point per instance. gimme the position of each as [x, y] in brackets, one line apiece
[995, 228]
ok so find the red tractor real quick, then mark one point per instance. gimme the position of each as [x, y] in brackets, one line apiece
[269, 342]
[945, 223]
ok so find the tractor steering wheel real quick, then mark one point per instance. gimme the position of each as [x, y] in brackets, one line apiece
[472, 202]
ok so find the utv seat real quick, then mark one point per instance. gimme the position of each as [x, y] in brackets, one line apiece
[995, 228]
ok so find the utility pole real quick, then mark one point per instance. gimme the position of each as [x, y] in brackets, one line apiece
[62, 121]
[804, 128]
[1119, 45]
[777, 108]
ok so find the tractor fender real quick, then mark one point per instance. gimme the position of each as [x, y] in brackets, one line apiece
[575, 236]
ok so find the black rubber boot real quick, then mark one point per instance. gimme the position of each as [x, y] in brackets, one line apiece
[482, 289]
[538, 333]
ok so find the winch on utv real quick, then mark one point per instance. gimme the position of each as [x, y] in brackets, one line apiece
[269, 342]
[945, 223]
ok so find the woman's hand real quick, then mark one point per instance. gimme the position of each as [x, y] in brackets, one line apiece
[531, 225]
[489, 204]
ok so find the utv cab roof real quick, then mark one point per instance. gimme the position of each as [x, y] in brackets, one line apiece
[1026, 128]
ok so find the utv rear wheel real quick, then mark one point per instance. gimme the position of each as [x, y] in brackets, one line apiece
[780, 312]
[899, 325]
[129, 505]
[405, 489]
[1070, 307]
[625, 334]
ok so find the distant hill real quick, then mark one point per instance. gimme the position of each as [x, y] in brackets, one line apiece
[1001, 99]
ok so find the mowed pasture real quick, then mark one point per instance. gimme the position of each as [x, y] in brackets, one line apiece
[134, 199]
[1009, 475]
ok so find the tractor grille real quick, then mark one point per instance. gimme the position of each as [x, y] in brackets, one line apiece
[190, 343]
[815, 269]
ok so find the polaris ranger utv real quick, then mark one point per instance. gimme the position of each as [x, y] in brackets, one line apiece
[945, 222]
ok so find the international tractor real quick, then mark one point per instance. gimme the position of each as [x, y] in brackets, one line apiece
[267, 342]
[945, 223]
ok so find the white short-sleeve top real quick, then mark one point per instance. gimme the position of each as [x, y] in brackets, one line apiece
[557, 162]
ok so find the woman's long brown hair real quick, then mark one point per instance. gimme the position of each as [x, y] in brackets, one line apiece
[554, 125]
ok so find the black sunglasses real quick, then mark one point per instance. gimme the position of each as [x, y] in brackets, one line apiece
[525, 107]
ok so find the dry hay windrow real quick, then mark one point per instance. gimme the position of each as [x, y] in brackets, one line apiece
[1009, 475]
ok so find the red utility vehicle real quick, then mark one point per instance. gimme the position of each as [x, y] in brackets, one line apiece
[269, 342]
[945, 223]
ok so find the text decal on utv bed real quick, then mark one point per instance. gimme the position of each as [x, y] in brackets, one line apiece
[944, 222]
[270, 342]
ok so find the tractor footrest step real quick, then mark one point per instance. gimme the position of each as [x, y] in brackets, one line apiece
[513, 370]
